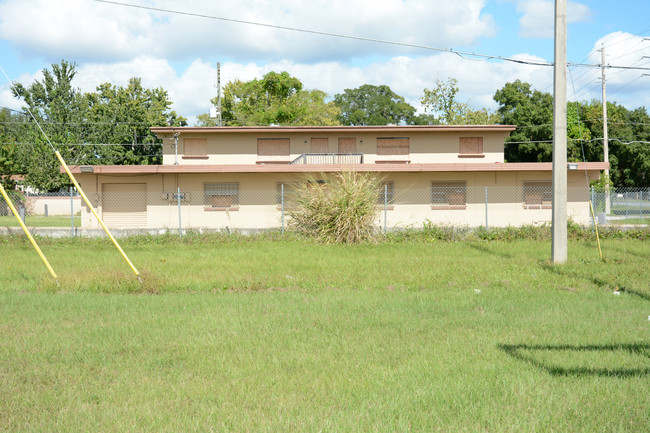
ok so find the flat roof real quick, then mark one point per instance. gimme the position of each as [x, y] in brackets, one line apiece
[325, 168]
[347, 129]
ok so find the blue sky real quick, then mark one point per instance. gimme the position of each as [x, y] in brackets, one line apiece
[111, 43]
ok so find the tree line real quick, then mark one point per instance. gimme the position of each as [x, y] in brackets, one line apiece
[111, 125]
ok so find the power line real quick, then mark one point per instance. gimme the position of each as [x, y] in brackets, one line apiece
[462, 54]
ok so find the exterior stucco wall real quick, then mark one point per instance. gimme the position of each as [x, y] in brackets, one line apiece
[259, 208]
[424, 147]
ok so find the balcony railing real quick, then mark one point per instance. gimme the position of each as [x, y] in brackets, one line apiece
[329, 158]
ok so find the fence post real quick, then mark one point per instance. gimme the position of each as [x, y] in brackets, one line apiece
[640, 197]
[71, 213]
[180, 225]
[385, 208]
[486, 208]
[282, 204]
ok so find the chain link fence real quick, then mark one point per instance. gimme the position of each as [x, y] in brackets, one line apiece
[230, 207]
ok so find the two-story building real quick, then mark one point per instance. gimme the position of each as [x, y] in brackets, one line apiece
[239, 177]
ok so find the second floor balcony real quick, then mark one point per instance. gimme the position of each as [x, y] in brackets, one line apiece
[329, 158]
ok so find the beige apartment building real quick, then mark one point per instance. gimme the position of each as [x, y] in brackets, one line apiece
[241, 177]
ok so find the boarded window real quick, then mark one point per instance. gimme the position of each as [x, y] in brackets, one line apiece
[538, 194]
[273, 147]
[386, 193]
[221, 195]
[195, 147]
[447, 194]
[471, 146]
[348, 145]
[392, 146]
[319, 145]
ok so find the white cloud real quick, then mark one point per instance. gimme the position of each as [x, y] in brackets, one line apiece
[628, 87]
[537, 20]
[89, 31]
[192, 88]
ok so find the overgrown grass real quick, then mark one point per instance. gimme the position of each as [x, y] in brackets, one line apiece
[272, 333]
[341, 208]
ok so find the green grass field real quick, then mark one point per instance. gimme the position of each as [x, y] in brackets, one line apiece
[39, 221]
[232, 334]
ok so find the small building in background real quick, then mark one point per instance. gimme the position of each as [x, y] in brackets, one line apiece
[242, 177]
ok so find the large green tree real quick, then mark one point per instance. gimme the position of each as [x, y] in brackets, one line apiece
[532, 112]
[60, 111]
[373, 105]
[8, 162]
[276, 98]
[441, 102]
[123, 115]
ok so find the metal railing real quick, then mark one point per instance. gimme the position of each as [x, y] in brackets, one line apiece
[329, 158]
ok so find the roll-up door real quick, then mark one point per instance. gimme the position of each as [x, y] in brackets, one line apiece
[124, 204]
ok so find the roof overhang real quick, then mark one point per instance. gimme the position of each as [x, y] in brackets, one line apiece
[325, 168]
[166, 130]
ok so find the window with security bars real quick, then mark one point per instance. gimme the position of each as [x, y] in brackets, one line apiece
[221, 195]
[538, 194]
[386, 193]
[449, 195]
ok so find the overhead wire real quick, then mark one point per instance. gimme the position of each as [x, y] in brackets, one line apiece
[463, 54]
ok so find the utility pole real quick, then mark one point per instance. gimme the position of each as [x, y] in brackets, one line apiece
[219, 122]
[215, 113]
[559, 219]
[605, 136]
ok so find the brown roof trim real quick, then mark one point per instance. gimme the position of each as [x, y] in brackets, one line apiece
[315, 168]
[285, 129]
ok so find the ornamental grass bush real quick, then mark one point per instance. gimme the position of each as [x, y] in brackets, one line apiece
[338, 208]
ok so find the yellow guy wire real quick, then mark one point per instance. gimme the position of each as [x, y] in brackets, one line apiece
[29, 235]
[92, 209]
[596, 228]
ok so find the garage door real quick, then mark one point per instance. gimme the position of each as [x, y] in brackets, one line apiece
[124, 204]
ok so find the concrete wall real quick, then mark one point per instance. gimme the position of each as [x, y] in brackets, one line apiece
[55, 205]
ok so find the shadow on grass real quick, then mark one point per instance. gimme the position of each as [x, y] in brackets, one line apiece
[603, 284]
[482, 248]
[535, 354]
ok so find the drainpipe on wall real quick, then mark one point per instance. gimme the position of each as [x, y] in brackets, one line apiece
[176, 134]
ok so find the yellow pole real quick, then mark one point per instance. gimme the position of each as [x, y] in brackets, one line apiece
[29, 235]
[92, 209]
[593, 216]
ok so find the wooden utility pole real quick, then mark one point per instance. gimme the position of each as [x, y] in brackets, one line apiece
[605, 137]
[559, 219]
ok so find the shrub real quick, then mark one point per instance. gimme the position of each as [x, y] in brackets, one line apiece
[341, 208]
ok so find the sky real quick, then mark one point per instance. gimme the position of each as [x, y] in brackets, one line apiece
[179, 50]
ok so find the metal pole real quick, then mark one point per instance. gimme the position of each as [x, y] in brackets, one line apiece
[559, 221]
[71, 213]
[385, 208]
[605, 137]
[486, 209]
[282, 203]
[180, 225]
